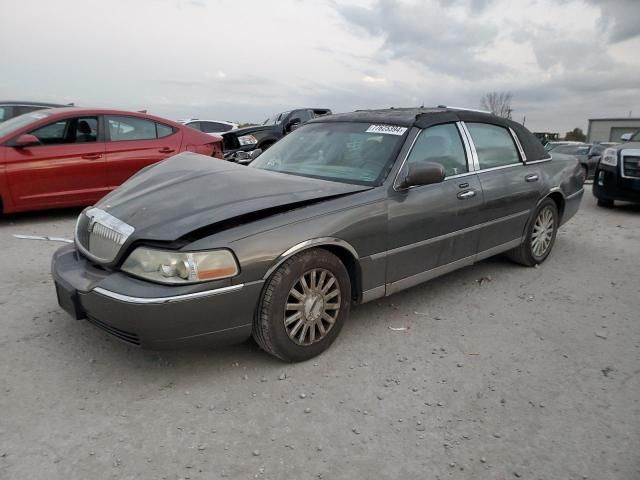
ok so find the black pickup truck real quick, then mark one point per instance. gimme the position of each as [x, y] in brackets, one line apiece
[272, 129]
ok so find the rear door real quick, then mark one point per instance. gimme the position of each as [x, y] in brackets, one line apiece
[135, 142]
[67, 169]
[432, 227]
[510, 188]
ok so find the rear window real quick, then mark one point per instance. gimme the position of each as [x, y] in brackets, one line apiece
[133, 128]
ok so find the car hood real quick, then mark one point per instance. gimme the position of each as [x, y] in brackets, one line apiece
[247, 130]
[189, 191]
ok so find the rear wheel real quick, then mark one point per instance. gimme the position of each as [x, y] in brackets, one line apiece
[605, 202]
[304, 305]
[540, 237]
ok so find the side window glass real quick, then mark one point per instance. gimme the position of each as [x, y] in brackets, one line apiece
[303, 115]
[494, 145]
[54, 133]
[214, 127]
[195, 125]
[86, 130]
[163, 130]
[131, 128]
[440, 144]
[72, 130]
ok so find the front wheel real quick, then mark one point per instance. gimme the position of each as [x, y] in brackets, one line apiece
[303, 307]
[540, 237]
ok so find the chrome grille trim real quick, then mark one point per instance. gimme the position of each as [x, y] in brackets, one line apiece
[99, 235]
[628, 171]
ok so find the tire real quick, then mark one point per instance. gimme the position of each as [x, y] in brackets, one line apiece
[546, 221]
[302, 338]
[605, 202]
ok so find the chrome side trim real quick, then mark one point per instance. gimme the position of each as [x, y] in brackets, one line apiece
[624, 153]
[575, 194]
[373, 294]
[162, 300]
[422, 243]
[314, 242]
[503, 247]
[471, 167]
[404, 160]
[543, 160]
[472, 146]
[421, 277]
[523, 157]
[428, 275]
[502, 167]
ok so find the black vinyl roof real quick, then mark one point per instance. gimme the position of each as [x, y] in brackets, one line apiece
[426, 117]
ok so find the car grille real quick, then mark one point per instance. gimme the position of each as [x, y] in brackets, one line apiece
[99, 235]
[631, 166]
[128, 337]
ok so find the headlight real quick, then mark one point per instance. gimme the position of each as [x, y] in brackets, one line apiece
[610, 157]
[247, 140]
[180, 267]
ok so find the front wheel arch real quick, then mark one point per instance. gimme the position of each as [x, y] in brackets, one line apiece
[340, 248]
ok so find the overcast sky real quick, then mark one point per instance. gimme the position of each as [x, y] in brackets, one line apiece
[564, 61]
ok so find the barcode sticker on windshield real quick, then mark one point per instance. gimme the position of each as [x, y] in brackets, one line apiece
[387, 129]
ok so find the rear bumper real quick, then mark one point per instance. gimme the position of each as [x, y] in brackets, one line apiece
[219, 316]
[609, 185]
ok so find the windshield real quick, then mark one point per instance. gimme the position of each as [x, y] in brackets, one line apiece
[20, 121]
[343, 152]
[636, 137]
[276, 119]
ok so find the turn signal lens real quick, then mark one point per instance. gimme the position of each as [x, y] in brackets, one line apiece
[180, 267]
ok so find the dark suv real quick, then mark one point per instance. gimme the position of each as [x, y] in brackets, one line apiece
[271, 130]
[617, 175]
[12, 109]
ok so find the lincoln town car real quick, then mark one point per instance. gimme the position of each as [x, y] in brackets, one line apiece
[346, 209]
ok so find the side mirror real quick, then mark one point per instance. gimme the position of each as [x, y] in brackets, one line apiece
[26, 140]
[423, 174]
[625, 137]
[246, 158]
[292, 124]
[253, 154]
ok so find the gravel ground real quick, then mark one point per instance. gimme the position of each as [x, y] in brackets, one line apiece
[497, 371]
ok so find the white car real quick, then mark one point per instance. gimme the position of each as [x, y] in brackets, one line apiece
[209, 126]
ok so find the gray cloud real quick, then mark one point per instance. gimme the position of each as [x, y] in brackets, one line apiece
[620, 19]
[427, 33]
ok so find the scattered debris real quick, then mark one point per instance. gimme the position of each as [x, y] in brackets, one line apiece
[399, 329]
[602, 335]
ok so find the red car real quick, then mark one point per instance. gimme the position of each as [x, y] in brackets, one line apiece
[65, 157]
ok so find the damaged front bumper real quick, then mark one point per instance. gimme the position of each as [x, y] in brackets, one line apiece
[150, 315]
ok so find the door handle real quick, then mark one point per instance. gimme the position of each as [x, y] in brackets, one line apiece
[166, 150]
[466, 194]
[92, 156]
[531, 178]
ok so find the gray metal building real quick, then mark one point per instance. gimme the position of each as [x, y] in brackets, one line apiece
[610, 129]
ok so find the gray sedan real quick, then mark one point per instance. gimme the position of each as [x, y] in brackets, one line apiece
[347, 209]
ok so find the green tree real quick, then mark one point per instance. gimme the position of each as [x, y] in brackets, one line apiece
[576, 135]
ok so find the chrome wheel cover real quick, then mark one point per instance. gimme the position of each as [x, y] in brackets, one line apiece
[542, 234]
[312, 308]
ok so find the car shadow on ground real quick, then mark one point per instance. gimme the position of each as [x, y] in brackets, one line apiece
[190, 365]
[40, 216]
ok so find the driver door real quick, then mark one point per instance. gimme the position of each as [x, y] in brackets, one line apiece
[432, 227]
[66, 169]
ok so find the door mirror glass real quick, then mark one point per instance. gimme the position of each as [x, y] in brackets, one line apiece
[26, 140]
[625, 137]
[424, 173]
